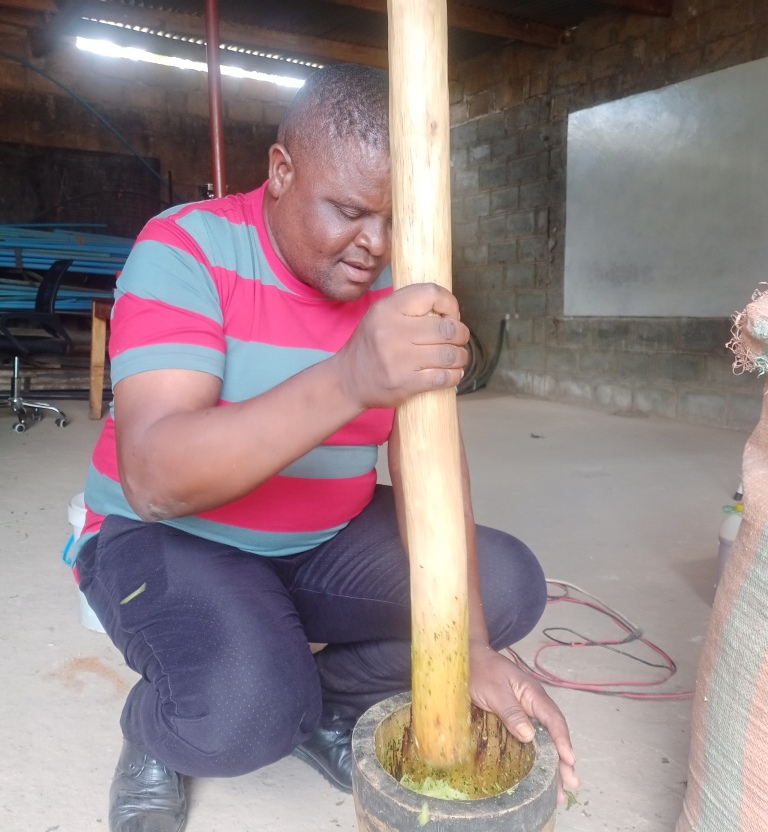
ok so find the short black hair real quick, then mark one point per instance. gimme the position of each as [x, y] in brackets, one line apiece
[339, 102]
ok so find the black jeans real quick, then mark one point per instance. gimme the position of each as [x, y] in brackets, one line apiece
[220, 636]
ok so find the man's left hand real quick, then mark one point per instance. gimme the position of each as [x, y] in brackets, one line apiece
[499, 685]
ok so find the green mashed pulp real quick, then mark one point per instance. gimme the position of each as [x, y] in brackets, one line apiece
[432, 787]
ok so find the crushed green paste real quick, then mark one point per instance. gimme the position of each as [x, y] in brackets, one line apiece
[432, 787]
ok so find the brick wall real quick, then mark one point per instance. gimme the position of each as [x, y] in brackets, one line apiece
[509, 114]
[161, 111]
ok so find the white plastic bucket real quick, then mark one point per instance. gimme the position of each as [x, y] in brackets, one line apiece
[76, 516]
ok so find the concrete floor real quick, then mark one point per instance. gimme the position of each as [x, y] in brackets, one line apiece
[628, 508]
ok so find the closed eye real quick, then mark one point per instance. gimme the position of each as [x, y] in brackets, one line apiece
[351, 212]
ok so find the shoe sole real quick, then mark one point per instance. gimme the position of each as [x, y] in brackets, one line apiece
[301, 754]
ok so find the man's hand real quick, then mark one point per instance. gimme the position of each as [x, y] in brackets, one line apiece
[498, 685]
[409, 342]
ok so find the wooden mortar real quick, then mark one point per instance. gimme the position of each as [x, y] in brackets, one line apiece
[382, 752]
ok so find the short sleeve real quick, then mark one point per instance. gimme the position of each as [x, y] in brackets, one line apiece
[167, 312]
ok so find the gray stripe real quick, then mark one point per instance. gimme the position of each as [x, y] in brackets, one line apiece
[167, 357]
[334, 462]
[254, 368]
[105, 496]
[228, 245]
[268, 544]
[383, 280]
[161, 272]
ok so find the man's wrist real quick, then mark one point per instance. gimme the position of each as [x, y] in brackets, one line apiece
[479, 645]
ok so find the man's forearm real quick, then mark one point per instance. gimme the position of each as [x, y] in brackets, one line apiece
[189, 462]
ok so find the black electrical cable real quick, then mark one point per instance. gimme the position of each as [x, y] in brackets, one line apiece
[632, 633]
[479, 368]
[585, 641]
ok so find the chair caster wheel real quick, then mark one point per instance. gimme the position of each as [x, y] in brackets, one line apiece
[36, 415]
[19, 427]
[61, 423]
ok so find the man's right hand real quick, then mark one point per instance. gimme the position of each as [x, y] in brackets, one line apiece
[409, 342]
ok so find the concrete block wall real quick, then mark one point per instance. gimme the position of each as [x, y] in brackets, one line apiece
[161, 111]
[509, 114]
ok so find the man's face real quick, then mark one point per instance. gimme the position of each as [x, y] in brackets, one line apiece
[329, 215]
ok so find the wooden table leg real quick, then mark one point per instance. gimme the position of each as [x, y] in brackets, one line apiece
[100, 312]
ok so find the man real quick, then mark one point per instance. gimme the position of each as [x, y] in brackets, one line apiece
[257, 353]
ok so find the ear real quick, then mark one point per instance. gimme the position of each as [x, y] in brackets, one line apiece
[281, 170]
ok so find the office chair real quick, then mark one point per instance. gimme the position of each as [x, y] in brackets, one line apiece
[29, 332]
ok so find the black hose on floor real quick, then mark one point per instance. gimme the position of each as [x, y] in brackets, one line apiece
[480, 368]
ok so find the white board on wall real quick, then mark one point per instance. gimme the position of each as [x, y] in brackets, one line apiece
[667, 199]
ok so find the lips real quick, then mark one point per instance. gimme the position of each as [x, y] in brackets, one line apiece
[360, 272]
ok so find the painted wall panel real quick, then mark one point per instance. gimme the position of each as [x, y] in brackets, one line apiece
[667, 199]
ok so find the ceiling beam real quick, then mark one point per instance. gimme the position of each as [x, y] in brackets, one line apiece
[485, 22]
[235, 33]
[32, 15]
[36, 6]
[660, 8]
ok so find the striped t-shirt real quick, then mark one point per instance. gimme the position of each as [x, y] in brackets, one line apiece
[204, 290]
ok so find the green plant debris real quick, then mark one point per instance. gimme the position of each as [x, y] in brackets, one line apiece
[134, 593]
[665, 759]
[433, 787]
[571, 800]
[497, 763]
[424, 814]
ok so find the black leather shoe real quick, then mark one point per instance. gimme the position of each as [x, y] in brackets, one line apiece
[329, 751]
[145, 795]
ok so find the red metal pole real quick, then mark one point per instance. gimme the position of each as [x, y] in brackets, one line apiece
[214, 96]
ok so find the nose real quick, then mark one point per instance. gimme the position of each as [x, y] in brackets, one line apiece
[375, 236]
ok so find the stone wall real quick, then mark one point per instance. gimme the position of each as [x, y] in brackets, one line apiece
[509, 114]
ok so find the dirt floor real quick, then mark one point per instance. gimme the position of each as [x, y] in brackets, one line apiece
[627, 508]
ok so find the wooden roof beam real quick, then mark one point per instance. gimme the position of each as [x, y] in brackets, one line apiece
[659, 8]
[36, 6]
[235, 33]
[483, 21]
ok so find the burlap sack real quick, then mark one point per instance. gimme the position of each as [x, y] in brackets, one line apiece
[728, 765]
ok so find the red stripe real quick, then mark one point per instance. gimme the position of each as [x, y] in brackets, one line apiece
[93, 521]
[92, 525]
[369, 428]
[165, 230]
[272, 506]
[372, 427]
[137, 322]
[105, 453]
[223, 207]
[268, 314]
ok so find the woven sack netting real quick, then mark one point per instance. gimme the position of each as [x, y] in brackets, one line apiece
[727, 787]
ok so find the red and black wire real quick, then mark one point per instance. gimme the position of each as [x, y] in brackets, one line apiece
[633, 634]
